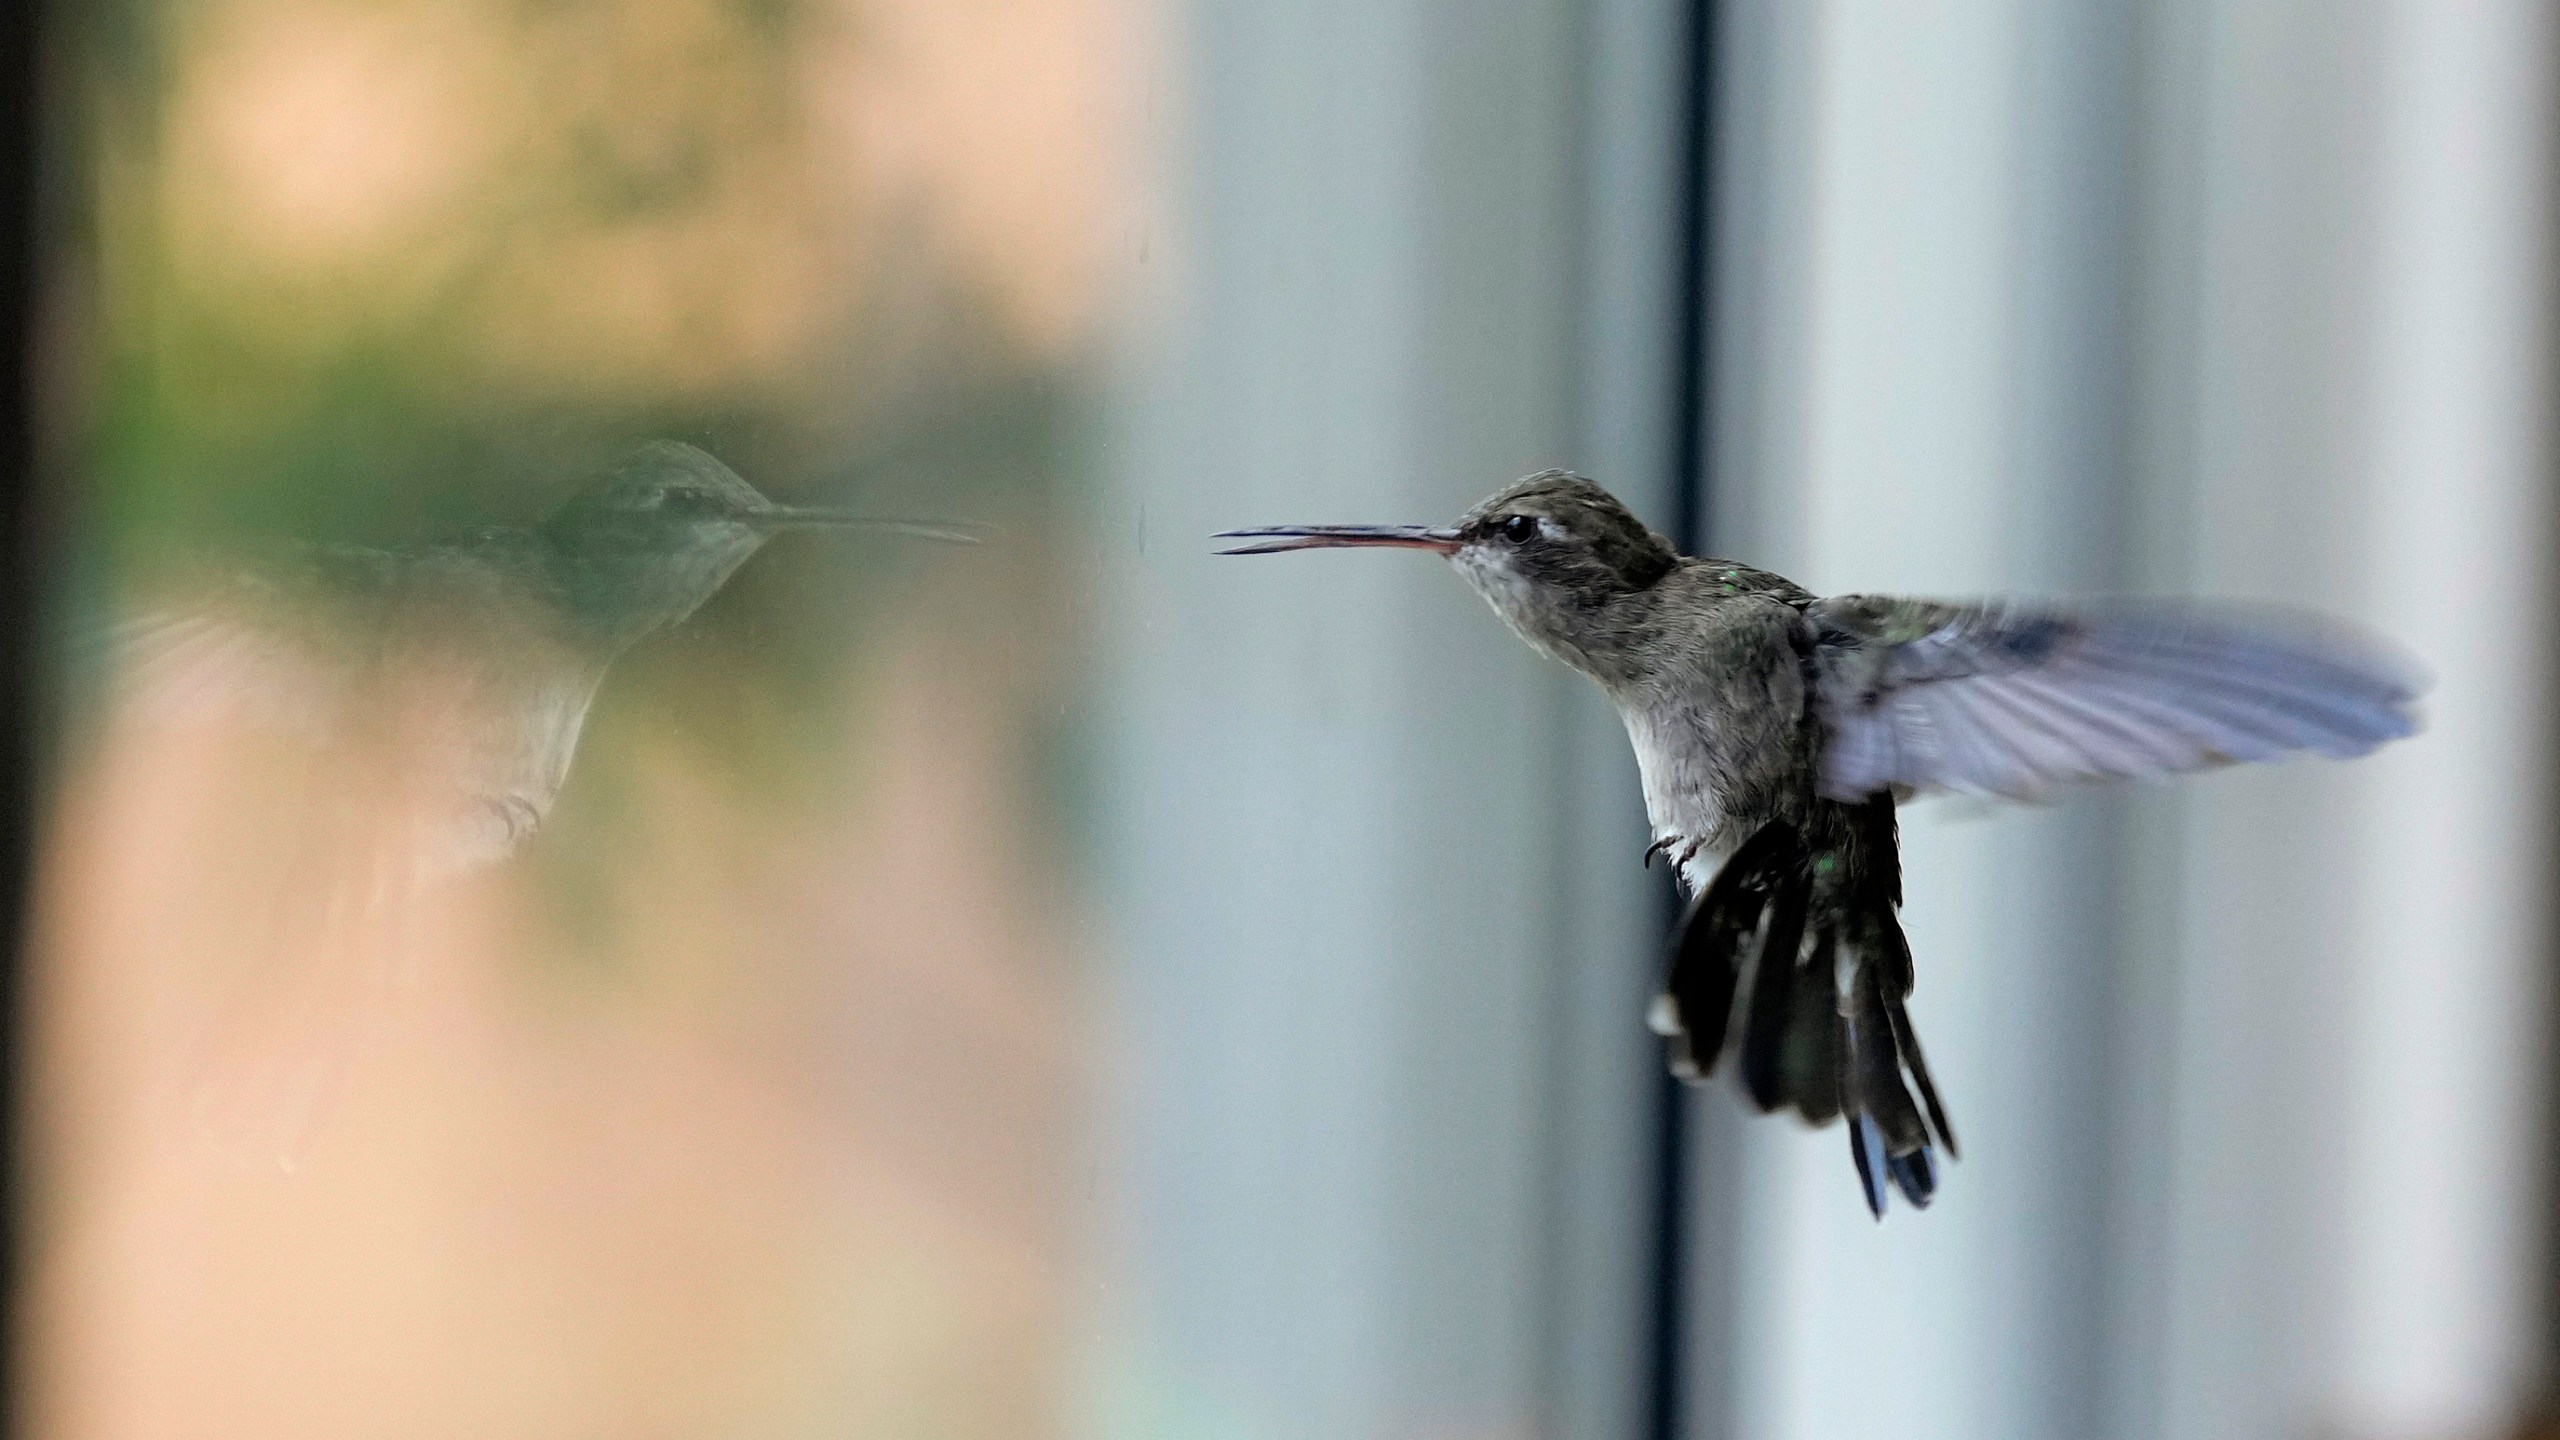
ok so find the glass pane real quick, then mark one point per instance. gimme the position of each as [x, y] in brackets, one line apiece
[402, 1076]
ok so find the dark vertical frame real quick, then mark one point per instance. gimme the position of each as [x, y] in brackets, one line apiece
[1669, 1402]
[21, 552]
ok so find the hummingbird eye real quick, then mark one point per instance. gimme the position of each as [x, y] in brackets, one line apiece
[1518, 529]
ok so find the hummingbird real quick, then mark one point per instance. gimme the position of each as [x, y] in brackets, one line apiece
[1775, 731]
[483, 653]
[393, 718]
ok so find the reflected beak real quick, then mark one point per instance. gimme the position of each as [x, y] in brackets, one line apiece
[801, 517]
[1273, 539]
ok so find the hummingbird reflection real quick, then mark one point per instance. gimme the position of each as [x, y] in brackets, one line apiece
[484, 653]
[1775, 731]
[428, 702]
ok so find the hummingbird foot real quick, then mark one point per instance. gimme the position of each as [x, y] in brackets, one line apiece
[1678, 849]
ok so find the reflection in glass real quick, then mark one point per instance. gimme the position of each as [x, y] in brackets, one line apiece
[741, 1095]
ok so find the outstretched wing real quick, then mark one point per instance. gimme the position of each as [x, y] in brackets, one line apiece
[2013, 700]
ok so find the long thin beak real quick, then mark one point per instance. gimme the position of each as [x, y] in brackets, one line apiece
[1273, 539]
[802, 517]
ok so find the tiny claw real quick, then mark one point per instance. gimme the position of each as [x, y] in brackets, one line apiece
[1678, 849]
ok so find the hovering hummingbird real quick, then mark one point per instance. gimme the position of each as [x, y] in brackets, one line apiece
[391, 717]
[1775, 731]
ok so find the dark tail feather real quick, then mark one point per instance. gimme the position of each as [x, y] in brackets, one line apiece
[1773, 1055]
[1809, 1056]
[1804, 1043]
[1752, 921]
[1866, 1151]
[1882, 1055]
[1696, 1009]
[1905, 1040]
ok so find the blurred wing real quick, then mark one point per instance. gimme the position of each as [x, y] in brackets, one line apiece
[314, 774]
[464, 740]
[321, 953]
[277, 644]
[185, 665]
[2013, 700]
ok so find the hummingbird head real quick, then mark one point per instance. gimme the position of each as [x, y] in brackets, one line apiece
[660, 533]
[1551, 553]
